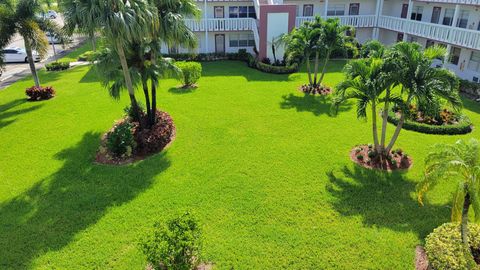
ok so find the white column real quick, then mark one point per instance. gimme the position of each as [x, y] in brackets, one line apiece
[447, 57]
[455, 15]
[205, 16]
[378, 12]
[409, 16]
[326, 9]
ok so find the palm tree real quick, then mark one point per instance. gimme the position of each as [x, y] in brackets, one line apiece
[22, 17]
[81, 15]
[459, 162]
[365, 81]
[333, 38]
[420, 82]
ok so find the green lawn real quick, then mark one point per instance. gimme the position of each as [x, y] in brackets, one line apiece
[265, 169]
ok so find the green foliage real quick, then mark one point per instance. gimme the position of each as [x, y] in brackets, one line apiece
[444, 246]
[372, 48]
[175, 244]
[472, 89]
[120, 140]
[190, 72]
[56, 66]
[89, 56]
[463, 126]
[277, 69]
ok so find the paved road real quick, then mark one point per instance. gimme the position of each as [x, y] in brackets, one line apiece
[15, 71]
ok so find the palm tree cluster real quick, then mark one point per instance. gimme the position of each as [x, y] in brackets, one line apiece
[317, 39]
[134, 32]
[24, 17]
[399, 76]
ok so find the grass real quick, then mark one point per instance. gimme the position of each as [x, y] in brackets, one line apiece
[265, 169]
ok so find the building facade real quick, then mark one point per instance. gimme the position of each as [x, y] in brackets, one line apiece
[229, 25]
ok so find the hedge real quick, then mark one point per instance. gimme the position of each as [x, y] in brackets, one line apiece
[56, 66]
[444, 246]
[463, 127]
[472, 89]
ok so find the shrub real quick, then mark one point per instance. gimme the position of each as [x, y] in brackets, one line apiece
[444, 246]
[174, 244]
[153, 140]
[266, 61]
[315, 90]
[472, 89]
[463, 126]
[276, 69]
[89, 56]
[56, 66]
[35, 93]
[120, 140]
[191, 72]
[360, 157]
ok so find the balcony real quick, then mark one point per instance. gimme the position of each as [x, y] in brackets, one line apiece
[356, 21]
[447, 34]
[460, 2]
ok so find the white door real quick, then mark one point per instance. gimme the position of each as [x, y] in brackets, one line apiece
[220, 43]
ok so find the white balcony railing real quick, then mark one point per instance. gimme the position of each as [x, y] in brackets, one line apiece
[461, 2]
[356, 21]
[225, 24]
[452, 35]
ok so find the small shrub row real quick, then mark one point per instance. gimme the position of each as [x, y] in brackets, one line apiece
[56, 66]
[472, 89]
[444, 246]
[276, 69]
[463, 126]
[191, 72]
[35, 93]
[316, 90]
[120, 139]
[89, 56]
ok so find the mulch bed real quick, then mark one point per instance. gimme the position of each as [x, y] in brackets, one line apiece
[361, 154]
[149, 142]
[421, 261]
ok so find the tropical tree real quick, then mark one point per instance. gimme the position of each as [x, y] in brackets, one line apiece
[366, 80]
[372, 48]
[420, 82]
[459, 162]
[22, 17]
[81, 15]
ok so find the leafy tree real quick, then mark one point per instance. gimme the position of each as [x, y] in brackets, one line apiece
[21, 16]
[459, 162]
[420, 82]
[372, 48]
[81, 15]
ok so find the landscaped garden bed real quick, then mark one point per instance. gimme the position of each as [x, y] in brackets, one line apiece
[365, 156]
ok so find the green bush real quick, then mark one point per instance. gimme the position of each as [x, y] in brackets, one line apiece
[472, 89]
[444, 246]
[89, 56]
[56, 66]
[277, 69]
[464, 126]
[175, 244]
[191, 72]
[120, 140]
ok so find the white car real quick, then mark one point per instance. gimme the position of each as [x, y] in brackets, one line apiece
[12, 55]
[52, 14]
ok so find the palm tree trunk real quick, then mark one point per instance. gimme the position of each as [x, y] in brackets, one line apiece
[309, 71]
[93, 40]
[464, 227]
[316, 69]
[31, 62]
[374, 126]
[327, 58]
[274, 53]
[396, 133]
[128, 81]
[385, 120]
[147, 100]
[153, 120]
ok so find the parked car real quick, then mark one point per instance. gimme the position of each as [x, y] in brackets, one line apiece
[12, 55]
[52, 14]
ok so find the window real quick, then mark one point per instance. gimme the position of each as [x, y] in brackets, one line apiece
[336, 10]
[463, 19]
[354, 9]
[448, 17]
[417, 13]
[436, 14]
[241, 12]
[430, 43]
[307, 10]
[399, 37]
[474, 63]
[241, 40]
[455, 55]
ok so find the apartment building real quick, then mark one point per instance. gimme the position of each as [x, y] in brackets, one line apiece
[230, 25]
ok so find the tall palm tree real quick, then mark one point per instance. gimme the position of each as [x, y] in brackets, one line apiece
[21, 17]
[365, 81]
[81, 15]
[333, 38]
[459, 162]
[420, 82]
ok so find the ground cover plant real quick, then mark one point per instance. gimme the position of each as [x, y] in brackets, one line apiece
[264, 167]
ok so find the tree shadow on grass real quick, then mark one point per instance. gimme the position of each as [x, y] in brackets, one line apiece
[90, 76]
[182, 90]
[8, 114]
[471, 105]
[238, 68]
[383, 200]
[317, 105]
[49, 215]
